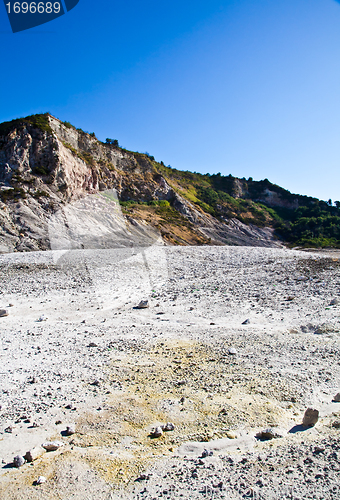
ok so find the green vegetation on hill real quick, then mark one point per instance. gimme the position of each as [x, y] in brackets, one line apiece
[314, 223]
[40, 121]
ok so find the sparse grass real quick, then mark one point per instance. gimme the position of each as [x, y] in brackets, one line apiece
[40, 121]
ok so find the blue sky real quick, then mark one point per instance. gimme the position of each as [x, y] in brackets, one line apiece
[247, 87]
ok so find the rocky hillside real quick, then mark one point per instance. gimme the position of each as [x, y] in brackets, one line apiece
[48, 168]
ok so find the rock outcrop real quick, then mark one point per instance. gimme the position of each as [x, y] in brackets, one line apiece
[45, 169]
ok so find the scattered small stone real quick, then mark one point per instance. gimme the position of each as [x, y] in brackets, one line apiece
[157, 432]
[42, 318]
[9, 429]
[35, 424]
[182, 399]
[231, 435]
[58, 422]
[143, 304]
[41, 480]
[218, 485]
[10, 305]
[168, 427]
[70, 429]
[310, 417]
[232, 351]
[246, 322]
[18, 461]
[207, 453]
[191, 308]
[143, 477]
[336, 398]
[290, 298]
[84, 321]
[324, 329]
[52, 445]
[3, 312]
[68, 407]
[96, 382]
[34, 453]
[334, 302]
[267, 434]
[212, 323]
[92, 344]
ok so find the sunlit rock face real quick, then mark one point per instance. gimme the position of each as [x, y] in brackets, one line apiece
[54, 172]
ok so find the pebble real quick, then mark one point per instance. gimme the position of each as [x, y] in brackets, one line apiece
[52, 445]
[267, 434]
[41, 480]
[232, 351]
[157, 432]
[246, 322]
[334, 302]
[42, 318]
[143, 304]
[9, 429]
[168, 427]
[3, 312]
[310, 417]
[34, 453]
[70, 429]
[18, 461]
[206, 453]
[231, 435]
[336, 398]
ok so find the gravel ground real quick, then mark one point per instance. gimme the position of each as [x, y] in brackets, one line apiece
[235, 340]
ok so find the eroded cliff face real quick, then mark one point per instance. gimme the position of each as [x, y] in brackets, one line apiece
[41, 171]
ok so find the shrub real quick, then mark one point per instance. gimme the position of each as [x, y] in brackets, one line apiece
[40, 170]
[163, 203]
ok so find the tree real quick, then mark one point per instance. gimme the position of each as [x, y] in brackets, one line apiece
[337, 204]
[114, 142]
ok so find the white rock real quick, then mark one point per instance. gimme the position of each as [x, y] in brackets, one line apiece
[70, 429]
[168, 427]
[310, 417]
[157, 432]
[41, 480]
[232, 351]
[143, 304]
[42, 318]
[18, 461]
[52, 445]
